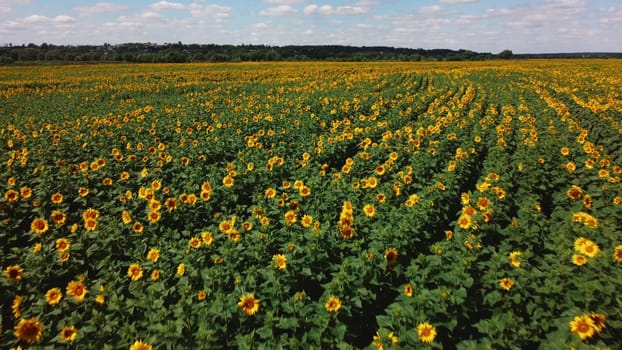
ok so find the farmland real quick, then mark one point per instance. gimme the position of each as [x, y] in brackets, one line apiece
[312, 205]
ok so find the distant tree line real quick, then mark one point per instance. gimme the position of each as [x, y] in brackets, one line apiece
[179, 52]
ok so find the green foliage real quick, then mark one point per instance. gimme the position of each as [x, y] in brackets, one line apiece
[340, 206]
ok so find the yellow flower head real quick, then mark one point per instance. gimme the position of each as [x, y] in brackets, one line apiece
[135, 272]
[583, 326]
[333, 304]
[514, 258]
[77, 290]
[53, 296]
[249, 304]
[14, 273]
[69, 334]
[29, 330]
[506, 283]
[280, 261]
[140, 345]
[39, 226]
[426, 332]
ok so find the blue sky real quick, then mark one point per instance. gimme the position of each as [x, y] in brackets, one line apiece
[524, 26]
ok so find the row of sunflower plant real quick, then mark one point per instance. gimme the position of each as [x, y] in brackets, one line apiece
[333, 205]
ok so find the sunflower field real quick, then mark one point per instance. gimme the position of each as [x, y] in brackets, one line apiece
[312, 205]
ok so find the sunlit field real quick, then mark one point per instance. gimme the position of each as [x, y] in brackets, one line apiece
[312, 205]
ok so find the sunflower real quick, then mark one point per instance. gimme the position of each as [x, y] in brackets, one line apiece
[155, 275]
[514, 258]
[57, 198]
[391, 256]
[25, 192]
[135, 272]
[90, 213]
[306, 221]
[249, 304]
[506, 283]
[69, 334]
[579, 259]
[181, 269]
[14, 273]
[377, 341]
[126, 217]
[205, 196]
[408, 290]
[369, 210]
[599, 321]
[590, 249]
[140, 345]
[154, 205]
[154, 217]
[29, 330]
[426, 332]
[280, 261]
[587, 201]
[77, 290]
[465, 221]
[90, 224]
[298, 184]
[153, 254]
[617, 253]
[63, 256]
[171, 204]
[333, 304]
[583, 326]
[11, 196]
[62, 244]
[15, 306]
[270, 193]
[207, 238]
[226, 226]
[201, 295]
[483, 203]
[39, 226]
[137, 227]
[58, 217]
[206, 186]
[194, 242]
[305, 191]
[53, 296]
[290, 217]
[228, 181]
[346, 231]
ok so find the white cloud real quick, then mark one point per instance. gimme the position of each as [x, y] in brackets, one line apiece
[167, 5]
[457, 1]
[491, 12]
[260, 25]
[216, 12]
[280, 10]
[38, 24]
[346, 10]
[284, 2]
[151, 16]
[613, 15]
[100, 7]
[428, 10]
[350, 10]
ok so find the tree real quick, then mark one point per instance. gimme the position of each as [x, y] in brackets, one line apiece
[505, 54]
